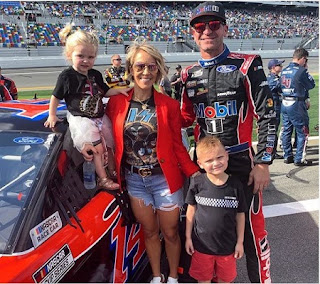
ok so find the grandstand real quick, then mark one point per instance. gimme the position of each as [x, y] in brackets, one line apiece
[32, 28]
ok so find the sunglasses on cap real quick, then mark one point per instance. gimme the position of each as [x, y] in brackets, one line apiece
[139, 67]
[213, 25]
[118, 59]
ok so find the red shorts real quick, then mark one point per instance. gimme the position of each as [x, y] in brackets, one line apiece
[205, 267]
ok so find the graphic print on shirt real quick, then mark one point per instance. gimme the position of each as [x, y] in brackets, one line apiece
[91, 102]
[140, 136]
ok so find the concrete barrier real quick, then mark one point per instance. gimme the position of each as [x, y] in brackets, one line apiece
[59, 61]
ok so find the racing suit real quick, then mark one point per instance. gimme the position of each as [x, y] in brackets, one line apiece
[224, 94]
[8, 89]
[116, 77]
[295, 84]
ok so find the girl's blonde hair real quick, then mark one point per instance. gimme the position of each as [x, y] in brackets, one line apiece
[139, 45]
[71, 39]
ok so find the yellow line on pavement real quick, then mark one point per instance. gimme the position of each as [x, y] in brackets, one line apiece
[36, 88]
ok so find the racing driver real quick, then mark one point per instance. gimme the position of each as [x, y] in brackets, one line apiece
[224, 92]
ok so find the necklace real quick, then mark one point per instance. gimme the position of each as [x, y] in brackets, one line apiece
[144, 104]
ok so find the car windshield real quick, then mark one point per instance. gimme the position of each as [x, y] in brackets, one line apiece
[22, 155]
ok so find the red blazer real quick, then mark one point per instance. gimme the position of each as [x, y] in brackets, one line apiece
[172, 155]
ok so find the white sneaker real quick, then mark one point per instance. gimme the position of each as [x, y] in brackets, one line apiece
[172, 280]
[158, 279]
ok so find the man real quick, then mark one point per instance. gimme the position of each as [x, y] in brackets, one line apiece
[296, 83]
[116, 75]
[275, 67]
[224, 91]
[176, 83]
[8, 89]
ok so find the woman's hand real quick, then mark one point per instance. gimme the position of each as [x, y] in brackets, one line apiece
[87, 151]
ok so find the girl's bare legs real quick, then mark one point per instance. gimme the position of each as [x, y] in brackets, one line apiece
[98, 160]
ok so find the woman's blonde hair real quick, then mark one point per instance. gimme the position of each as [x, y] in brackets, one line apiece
[139, 45]
[71, 39]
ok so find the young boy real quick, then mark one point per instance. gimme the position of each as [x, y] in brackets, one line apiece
[215, 216]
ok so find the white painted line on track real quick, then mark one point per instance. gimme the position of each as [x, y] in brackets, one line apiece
[32, 73]
[290, 208]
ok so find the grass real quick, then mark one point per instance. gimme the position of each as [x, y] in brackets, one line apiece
[313, 111]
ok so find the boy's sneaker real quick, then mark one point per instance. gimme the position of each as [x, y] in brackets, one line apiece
[172, 280]
[303, 163]
[158, 279]
[289, 160]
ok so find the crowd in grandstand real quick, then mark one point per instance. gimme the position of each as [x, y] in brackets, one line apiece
[157, 21]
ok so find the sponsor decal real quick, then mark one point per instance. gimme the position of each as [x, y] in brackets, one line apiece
[265, 258]
[190, 93]
[256, 68]
[269, 102]
[285, 82]
[267, 154]
[226, 68]
[209, 8]
[202, 91]
[197, 73]
[28, 140]
[56, 267]
[226, 94]
[191, 84]
[47, 228]
[217, 110]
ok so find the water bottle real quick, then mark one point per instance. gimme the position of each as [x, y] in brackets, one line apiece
[89, 175]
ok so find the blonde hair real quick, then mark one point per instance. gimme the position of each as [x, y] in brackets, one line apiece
[207, 143]
[139, 45]
[71, 39]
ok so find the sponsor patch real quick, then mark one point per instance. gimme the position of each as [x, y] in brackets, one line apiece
[197, 73]
[226, 68]
[269, 102]
[191, 84]
[47, 228]
[56, 267]
[202, 91]
[190, 93]
[256, 68]
[28, 140]
[227, 94]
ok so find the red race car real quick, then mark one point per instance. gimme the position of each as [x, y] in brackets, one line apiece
[51, 228]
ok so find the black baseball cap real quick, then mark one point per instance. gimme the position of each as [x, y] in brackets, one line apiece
[210, 8]
[178, 66]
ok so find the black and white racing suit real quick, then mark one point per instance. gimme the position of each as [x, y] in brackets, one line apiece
[224, 94]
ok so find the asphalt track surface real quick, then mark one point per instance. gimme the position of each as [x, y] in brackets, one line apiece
[291, 202]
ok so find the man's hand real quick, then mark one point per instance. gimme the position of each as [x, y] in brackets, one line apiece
[87, 151]
[260, 177]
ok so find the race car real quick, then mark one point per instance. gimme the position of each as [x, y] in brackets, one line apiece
[52, 229]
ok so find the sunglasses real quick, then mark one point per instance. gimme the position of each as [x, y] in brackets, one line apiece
[118, 59]
[213, 25]
[139, 67]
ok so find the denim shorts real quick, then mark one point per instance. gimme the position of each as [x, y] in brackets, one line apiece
[153, 190]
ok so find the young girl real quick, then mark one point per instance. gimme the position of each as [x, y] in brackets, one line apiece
[83, 88]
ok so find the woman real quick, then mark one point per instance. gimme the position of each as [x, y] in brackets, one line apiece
[150, 156]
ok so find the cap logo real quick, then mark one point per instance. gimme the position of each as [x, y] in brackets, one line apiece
[210, 8]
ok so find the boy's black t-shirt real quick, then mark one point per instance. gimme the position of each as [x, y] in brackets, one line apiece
[83, 94]
[214, 229]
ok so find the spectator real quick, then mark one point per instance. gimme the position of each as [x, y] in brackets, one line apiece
[8, 89]
[224, 91]
[215, 216]
[275, 67]
[176, 83]
[116, 75]
[165, 85]
[295, 84]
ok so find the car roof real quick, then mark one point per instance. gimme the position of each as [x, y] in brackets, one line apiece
[27, 114]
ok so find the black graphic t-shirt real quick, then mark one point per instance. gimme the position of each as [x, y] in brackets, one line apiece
[83, 94]
[140, 135]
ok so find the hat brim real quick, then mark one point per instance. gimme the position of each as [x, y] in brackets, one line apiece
[193, 19]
